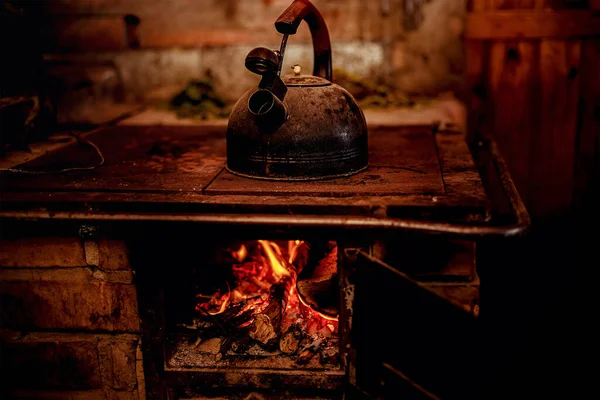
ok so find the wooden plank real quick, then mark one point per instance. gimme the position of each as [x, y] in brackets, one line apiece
[401, 161]
[530, 24]
[477, 54]
[587, 169]
[553, 149]
[514, 82]
[476, 85]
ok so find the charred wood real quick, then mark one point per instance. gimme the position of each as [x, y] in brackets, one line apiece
[290, 340]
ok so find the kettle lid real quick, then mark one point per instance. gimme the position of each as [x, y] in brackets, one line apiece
[304, 81]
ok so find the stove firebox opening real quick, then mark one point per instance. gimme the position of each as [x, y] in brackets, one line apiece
[256, 304]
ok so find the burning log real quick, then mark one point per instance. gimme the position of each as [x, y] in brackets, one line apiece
[306, 355]
[263, 306]
[266, 325]
[264, 329]
[290, 340]
[317, 283]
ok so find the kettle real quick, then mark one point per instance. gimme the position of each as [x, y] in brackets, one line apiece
[296, 127]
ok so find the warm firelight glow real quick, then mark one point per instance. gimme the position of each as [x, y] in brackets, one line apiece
[327, 317]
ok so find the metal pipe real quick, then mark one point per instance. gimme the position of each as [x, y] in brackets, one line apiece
[303, 221]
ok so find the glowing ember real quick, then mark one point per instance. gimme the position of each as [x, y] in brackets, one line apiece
[262, 305]
[241, 254]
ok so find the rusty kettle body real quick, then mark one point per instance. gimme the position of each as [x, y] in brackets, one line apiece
[296, 127]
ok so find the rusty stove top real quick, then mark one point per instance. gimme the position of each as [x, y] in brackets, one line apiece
[419, 178]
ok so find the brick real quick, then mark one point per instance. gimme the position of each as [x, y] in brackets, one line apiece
[92, 253]
[113, 255]
[28, 305]
[83, 34]
[54, 275]
[98, 394]
[192, 37]
[65, 275]
[125, 277]
[118, 363]
[51, 365]
[120, 395]
[42, 252]
[139, 370]
[143, 70]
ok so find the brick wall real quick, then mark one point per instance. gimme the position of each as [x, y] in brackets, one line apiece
[70, 320]
[410, 44]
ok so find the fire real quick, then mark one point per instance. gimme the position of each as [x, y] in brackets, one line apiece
[263, 303]
[241, 254]
[293, 246]
[273, 251]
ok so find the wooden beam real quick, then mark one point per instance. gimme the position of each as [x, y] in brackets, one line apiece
[531, 24]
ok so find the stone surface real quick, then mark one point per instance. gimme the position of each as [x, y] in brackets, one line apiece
[414, 46]
[92, 253]
[65, 275]
[68, 305]
[96, 394]
[80, 33]
[447, 111]
[72, 275]
[42, 252]
[118, 363]
[113, 255]
[146, 69]
[71, 366]
[51, 365]
[431, 58]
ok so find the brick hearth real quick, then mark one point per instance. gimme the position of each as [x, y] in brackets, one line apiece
[70, 321]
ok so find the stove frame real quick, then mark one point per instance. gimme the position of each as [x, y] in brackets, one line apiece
[423, 182]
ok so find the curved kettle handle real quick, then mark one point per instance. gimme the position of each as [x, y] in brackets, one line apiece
[288, 23]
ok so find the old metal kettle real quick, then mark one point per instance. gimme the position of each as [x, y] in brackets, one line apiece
[297, 127]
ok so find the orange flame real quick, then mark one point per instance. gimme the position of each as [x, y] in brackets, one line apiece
[225, 302]
[293, 249]
[255, 272]
[241, 254]
[270, 248]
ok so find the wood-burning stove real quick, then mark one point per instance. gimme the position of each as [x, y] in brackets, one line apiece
[405, 232]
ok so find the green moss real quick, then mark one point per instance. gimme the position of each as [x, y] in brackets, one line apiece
[199, 100]
[370, 94]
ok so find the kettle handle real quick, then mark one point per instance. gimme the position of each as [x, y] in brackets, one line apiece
[288, 23]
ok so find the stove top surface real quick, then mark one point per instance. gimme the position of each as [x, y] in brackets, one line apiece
[414, 172]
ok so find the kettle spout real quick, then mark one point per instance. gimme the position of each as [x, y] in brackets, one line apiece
[269, 111]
